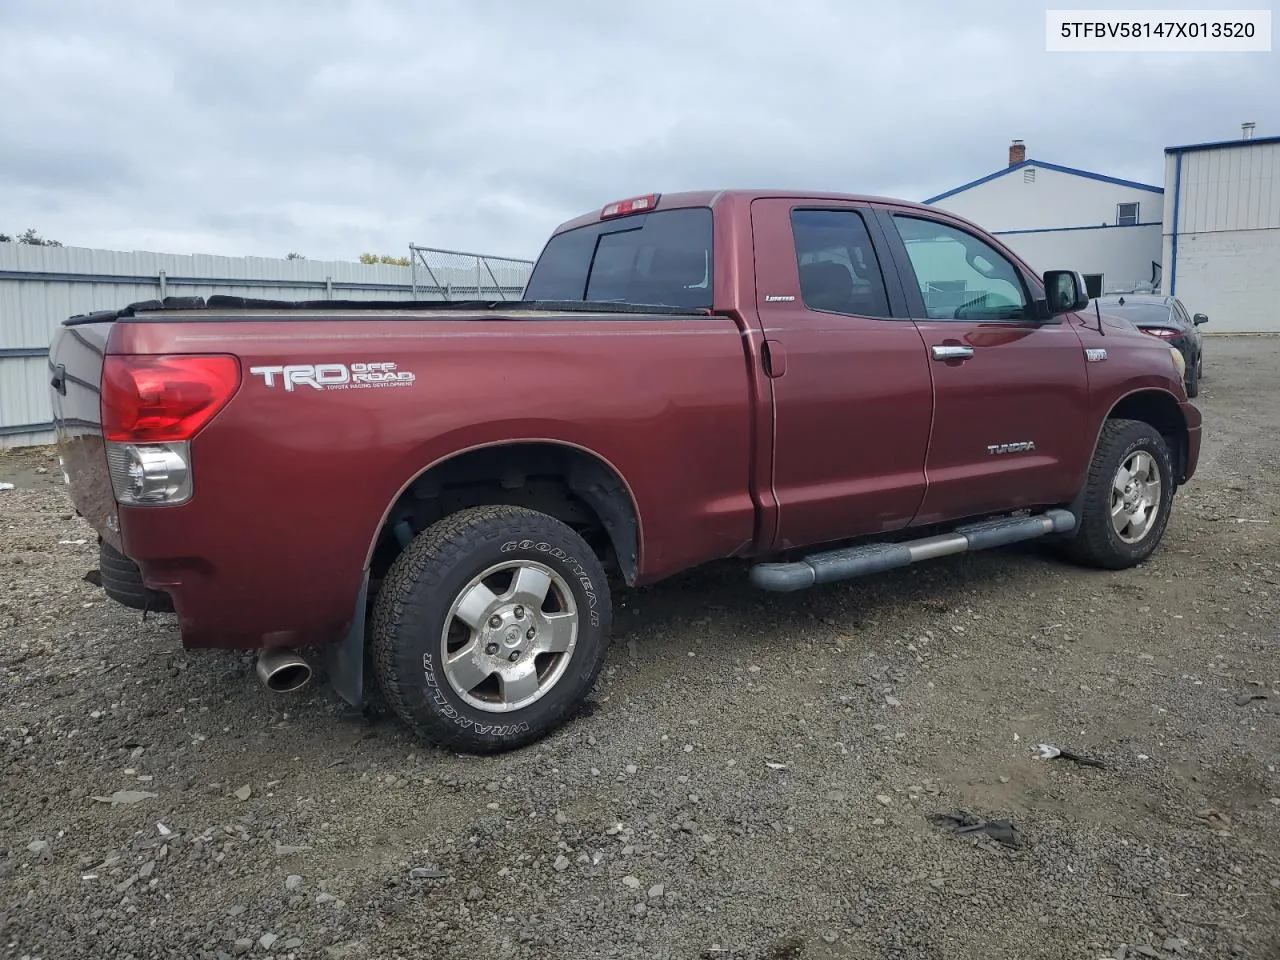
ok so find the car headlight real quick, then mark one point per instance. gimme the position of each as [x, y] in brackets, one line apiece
[1178, 361]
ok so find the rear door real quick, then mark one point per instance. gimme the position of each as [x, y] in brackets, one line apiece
[852, 398]
[1010, 390]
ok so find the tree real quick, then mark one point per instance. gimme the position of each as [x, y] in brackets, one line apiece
[5, 238]
[32, 238]
[384, 258]
[294, 256]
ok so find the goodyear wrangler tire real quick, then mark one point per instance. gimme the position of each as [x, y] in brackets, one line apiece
[490, 629]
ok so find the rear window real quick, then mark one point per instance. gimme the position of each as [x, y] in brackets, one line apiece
[661, 258]
[1140, 313]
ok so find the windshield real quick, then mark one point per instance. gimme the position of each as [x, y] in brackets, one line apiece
[1140, 313]
[661, 258]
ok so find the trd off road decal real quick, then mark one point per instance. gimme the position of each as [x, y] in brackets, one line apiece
[334, 376]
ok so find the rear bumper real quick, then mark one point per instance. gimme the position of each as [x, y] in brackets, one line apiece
[1191, 413]
[231, 591]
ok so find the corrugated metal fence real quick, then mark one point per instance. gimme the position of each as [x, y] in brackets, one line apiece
[42, 286]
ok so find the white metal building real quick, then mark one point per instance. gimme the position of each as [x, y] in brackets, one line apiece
[1222, 231]
[1058, 217]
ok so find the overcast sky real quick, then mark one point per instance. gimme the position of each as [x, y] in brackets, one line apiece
[259, 127]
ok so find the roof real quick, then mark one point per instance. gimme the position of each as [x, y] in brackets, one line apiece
[711, 198]
[1047, 166]
[1222, 144]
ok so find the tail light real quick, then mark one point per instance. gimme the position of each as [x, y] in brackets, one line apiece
[1164, 333]
[158, 399]
[151, 408]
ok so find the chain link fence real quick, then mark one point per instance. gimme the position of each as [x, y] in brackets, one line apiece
[453, 275]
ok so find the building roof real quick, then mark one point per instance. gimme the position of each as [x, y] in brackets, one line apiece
[1050, 166]
[1222, 144]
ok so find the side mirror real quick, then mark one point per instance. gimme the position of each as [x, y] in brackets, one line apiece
[1200, 318]
[1065, 292]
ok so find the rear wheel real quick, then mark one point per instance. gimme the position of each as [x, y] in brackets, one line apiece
[1128, 499]
[122, 582]
[490, 628]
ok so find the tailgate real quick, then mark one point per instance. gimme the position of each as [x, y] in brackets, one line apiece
[75, 376]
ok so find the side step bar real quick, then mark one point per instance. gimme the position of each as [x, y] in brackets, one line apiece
[859, 561]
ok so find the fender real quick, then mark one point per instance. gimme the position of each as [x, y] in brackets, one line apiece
[1175, 408]
[594, 486]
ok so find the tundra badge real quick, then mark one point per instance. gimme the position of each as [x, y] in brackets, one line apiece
[1025, 446]
[1095, 354]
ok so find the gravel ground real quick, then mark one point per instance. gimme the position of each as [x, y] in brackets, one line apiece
[754, 778]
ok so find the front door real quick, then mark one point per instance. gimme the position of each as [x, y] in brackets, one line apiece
[1010, 389]
[852, 399]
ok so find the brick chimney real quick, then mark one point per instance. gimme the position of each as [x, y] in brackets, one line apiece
[1017, 152]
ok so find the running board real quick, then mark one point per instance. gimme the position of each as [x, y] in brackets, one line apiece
[877, 557]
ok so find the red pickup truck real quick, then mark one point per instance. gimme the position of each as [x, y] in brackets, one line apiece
[440, 497]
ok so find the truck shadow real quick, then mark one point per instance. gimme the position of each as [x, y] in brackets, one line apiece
[721, 594]
[715, 610]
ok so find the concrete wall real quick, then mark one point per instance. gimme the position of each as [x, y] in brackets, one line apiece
[1228, 275]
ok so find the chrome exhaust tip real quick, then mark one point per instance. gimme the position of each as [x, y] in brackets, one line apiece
[283, 671]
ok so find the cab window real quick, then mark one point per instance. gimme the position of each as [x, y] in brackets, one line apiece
[961, 277]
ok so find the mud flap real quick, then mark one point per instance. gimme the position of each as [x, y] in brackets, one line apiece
[346, 659]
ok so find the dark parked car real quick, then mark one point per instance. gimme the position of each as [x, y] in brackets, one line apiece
[1166, 318]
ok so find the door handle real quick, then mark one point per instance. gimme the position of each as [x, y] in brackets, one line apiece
[952, 352]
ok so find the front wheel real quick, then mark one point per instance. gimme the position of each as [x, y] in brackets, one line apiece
[1128, 499]
[491, 628]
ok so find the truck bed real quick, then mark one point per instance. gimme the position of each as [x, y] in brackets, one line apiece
[301, 434]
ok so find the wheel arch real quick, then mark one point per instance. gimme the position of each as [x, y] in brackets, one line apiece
[504, 467]
[1161, 410]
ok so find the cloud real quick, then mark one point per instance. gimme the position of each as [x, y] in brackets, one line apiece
[330, 128]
